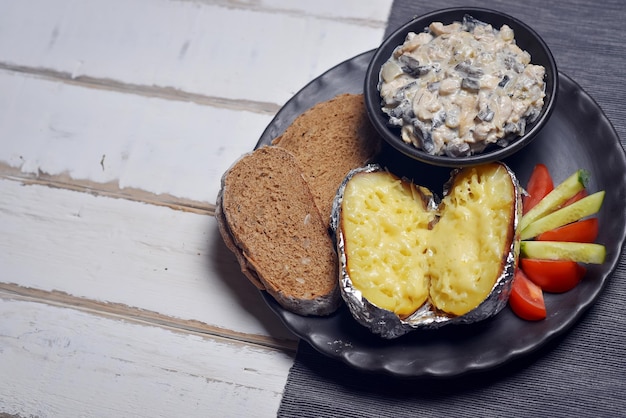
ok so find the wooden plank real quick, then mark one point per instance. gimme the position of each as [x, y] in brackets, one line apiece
[153, 144]
[371, 13]
[138, 315]
[62, 362]
[214, 49]
[133, 254]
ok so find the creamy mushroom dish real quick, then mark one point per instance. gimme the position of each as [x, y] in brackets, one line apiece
[455, 89]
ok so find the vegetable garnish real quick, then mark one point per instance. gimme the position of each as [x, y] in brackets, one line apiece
[539, 185]
[526, 298]
[561, 194]
[587, 206]
[558, 233]
[554, 276]
[579, 252]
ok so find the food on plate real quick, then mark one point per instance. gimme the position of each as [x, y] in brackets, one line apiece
[268, 217]
[456, 89]
[587, 206]
[526, 298]
[589, 253]
[385, 222]
[581, 194]
[580, 231]
[407, 262]
[557, 197]
[273, 209]
[222, 226]
[329, 140]
[539, 185]
[554, 276]
[558, 235]
[473, 238]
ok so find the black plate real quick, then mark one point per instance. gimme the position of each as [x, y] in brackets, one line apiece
[578, 136]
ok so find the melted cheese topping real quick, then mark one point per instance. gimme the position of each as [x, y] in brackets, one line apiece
[385, 226]
[398, 259]
[471, 238]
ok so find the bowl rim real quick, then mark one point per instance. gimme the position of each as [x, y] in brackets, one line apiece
[379, 119]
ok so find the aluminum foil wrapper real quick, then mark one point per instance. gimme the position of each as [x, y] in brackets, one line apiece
[386, 323]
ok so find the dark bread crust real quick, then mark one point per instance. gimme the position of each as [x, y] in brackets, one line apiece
[222, 226]
[268, 218]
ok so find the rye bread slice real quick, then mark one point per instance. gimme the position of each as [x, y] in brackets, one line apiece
[268, 215]
[329, 140]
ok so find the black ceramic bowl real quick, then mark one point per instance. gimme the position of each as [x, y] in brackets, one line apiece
[526, 38]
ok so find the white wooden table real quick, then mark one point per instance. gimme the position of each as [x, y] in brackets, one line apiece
[117, 120]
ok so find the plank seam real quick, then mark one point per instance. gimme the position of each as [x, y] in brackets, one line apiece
[264, 8]
[161, 92]
[119, 311]
[110, 189]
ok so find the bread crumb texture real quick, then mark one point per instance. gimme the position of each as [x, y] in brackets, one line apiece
[329, 140]
[274, 222]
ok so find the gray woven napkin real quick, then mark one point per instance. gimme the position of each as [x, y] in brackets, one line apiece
[581, 373]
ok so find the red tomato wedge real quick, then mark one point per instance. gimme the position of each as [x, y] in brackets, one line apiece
[526, 299]
[553, 276]
[539, 185]
[580, 231]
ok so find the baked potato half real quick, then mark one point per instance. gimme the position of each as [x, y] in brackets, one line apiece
[408, 260]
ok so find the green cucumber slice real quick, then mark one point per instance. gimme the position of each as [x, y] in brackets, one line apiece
[570, 213]
[568, 188]
[554, 250]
